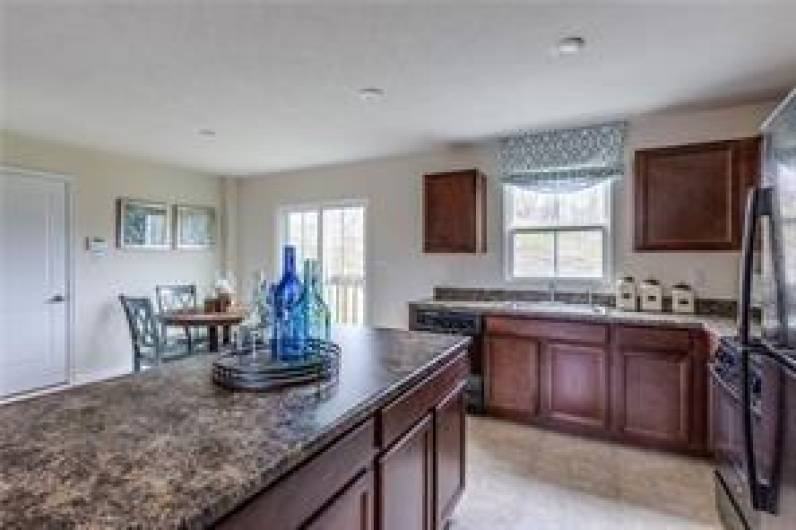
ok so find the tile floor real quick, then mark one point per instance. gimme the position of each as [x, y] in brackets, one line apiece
[524, 478]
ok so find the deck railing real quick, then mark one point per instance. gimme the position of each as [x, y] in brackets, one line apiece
[345, 296]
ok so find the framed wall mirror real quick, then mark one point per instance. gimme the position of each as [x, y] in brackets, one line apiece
[143, 225]
[195, 227]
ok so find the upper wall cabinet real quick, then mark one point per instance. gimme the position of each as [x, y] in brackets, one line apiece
[454, 212]
[692, 197]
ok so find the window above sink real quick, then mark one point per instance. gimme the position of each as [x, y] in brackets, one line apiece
[558, 236]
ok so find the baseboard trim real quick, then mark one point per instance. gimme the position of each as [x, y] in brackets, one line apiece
[77, 379]
[83, 378]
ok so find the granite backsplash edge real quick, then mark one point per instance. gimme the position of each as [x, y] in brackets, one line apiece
[704, 306]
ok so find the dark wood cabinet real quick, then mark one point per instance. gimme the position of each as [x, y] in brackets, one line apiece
[316, 482]
[350, 510]
[658, 399]
[692, 197]
[401, 469]
[406, 480]
[511, 377]
[643, 385]
[575, 385]
[454, 212]
[449, 419]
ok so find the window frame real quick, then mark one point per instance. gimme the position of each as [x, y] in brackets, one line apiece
[281, 227]
[508, 245]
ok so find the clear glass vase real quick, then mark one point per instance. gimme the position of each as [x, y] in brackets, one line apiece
[317, 318]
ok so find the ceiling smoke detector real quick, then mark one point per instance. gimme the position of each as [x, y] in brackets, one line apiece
[570, 45]
[371, 94]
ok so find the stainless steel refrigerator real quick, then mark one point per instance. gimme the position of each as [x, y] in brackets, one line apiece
[753, 375]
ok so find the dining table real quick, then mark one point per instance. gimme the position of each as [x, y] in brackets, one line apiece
[211, 320]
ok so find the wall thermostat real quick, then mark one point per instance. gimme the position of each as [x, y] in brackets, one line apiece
[97, 245]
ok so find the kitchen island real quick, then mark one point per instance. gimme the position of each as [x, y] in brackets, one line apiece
[169, 449]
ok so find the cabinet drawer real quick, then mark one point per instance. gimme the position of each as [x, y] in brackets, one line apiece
[548, 329]
[314, 483]
[397, 417]
[653, 338]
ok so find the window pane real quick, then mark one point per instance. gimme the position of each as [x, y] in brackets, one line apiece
[302, 232]
[354, 242]
[580, 254]
[332, 245]
[344, 263]
[533, 255]
[532, 209]
[581, 208]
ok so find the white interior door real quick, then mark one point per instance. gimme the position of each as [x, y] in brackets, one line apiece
[33, 282]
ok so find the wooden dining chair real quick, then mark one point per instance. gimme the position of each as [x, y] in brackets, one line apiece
[149, 349]
[181, 297]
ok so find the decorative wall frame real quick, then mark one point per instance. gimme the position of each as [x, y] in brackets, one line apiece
[143, 224]
[195, 227]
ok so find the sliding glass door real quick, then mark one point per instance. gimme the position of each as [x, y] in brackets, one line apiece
[335, 236]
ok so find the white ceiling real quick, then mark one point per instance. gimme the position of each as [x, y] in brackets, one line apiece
[278, 84]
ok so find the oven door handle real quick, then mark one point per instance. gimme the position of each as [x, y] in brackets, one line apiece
[724, 385]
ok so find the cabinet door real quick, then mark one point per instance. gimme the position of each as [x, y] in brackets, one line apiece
[351, 510]
[654, 395]
[406, 480]
[454, 212]
[449, 450]
[575, 385]
[692, 197]
[512, 376]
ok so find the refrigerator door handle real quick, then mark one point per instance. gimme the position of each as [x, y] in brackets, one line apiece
[747, 263]
[758, 204]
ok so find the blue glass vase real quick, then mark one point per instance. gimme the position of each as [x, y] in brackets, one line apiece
[317, 319]
[288, 317]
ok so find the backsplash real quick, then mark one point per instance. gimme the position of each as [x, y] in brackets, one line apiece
[704, 306]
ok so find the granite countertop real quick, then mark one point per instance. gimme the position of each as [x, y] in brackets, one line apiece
[169, 449]
[719, 326]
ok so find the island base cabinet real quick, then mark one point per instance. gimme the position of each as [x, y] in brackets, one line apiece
[402, 469]
[327, 476]
[449, 449]
[406, 480]
[351, 510]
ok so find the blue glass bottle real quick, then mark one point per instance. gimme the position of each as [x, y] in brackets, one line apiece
[288, 321]
[317, 316]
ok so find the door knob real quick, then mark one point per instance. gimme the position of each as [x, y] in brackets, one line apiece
[56, 299]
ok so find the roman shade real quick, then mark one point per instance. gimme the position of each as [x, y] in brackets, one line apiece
[563, 160]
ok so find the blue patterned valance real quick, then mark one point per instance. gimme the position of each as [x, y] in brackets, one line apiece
[563, 160]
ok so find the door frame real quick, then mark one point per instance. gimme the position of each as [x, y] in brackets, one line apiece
[68, 181]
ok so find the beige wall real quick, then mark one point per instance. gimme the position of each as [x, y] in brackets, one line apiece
[397, 269]
[101, 339]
